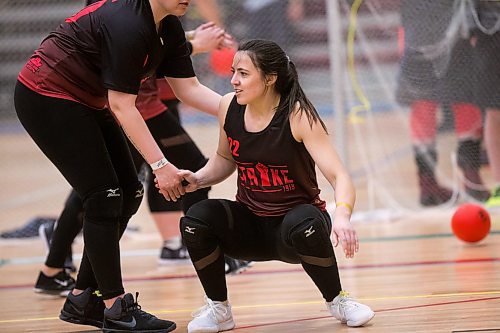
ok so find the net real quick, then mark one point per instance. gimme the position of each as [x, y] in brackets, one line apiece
[401, 85]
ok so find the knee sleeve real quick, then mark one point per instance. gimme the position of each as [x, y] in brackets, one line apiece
[102, 206]
[132, 198]
[308, 233]
[468, 121]
[423, 121]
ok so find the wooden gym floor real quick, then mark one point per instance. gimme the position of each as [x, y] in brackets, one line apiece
[412, 271]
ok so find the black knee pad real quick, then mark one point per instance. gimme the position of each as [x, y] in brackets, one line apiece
[194, 197]
[132, 198]
[309, 236]
[103, 206]
[196, 234]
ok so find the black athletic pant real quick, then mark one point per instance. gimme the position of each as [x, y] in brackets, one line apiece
[69, 224]
[214, 227]
[177, 147]
[89, 149]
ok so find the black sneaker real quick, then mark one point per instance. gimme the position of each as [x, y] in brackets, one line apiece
[29, 230]
[126, 316]
[59, 285]
[84, 309]
[46, 231]
[168, 255]
[235, 266]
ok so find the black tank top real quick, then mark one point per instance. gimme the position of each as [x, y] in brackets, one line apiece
[275, 172]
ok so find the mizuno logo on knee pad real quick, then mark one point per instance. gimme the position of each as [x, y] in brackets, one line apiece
[112, 192]
[190, 230]
[309, 231]
[139, 193]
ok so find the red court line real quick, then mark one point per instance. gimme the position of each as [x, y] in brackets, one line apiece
[376, 311]
[438, 304]
[294, 270]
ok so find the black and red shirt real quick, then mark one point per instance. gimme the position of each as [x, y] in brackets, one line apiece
[148, 101]
[275, 172]
[111, 44]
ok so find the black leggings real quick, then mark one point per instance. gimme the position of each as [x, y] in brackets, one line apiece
[180, 149]
[215, 227]
[182, 152]
[89, 149]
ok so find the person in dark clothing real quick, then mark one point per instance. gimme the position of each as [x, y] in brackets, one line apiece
[272, 134]
[74, 96]
[486, 57]
[436, 70]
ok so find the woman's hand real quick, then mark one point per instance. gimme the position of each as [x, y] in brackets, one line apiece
[169, 182]
[344, 233]
[190, 178]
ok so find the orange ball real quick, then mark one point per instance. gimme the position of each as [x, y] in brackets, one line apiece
[222, 60]
[471, 223]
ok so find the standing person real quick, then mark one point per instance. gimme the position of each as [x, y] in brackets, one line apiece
[178, 148]
[167, 218]
[436, 70]
[486, 57]
[271, 133]
[95, 58]
[53, 278]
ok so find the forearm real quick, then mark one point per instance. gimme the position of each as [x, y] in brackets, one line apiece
[195, 94]
[207, 100]
[138, 133]
[345, 195]
[215, 171]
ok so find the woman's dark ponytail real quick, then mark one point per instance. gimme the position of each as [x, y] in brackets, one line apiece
[272, 60]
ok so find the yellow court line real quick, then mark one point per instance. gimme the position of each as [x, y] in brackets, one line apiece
[478, 293]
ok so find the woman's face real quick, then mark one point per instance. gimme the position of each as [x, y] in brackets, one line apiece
[247, 81]
[175, 7]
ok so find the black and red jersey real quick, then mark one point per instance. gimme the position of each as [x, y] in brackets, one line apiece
[275, 172]
[148, 101]
[111, 44]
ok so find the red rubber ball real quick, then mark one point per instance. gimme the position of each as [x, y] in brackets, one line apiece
[221, 61]
[471, 223]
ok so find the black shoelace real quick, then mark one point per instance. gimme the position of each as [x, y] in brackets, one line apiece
[135, 308]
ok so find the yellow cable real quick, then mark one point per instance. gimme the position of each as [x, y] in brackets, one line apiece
[354, 116]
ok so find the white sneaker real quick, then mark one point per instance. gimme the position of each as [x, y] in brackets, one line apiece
[212, 318]
[349, 311]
